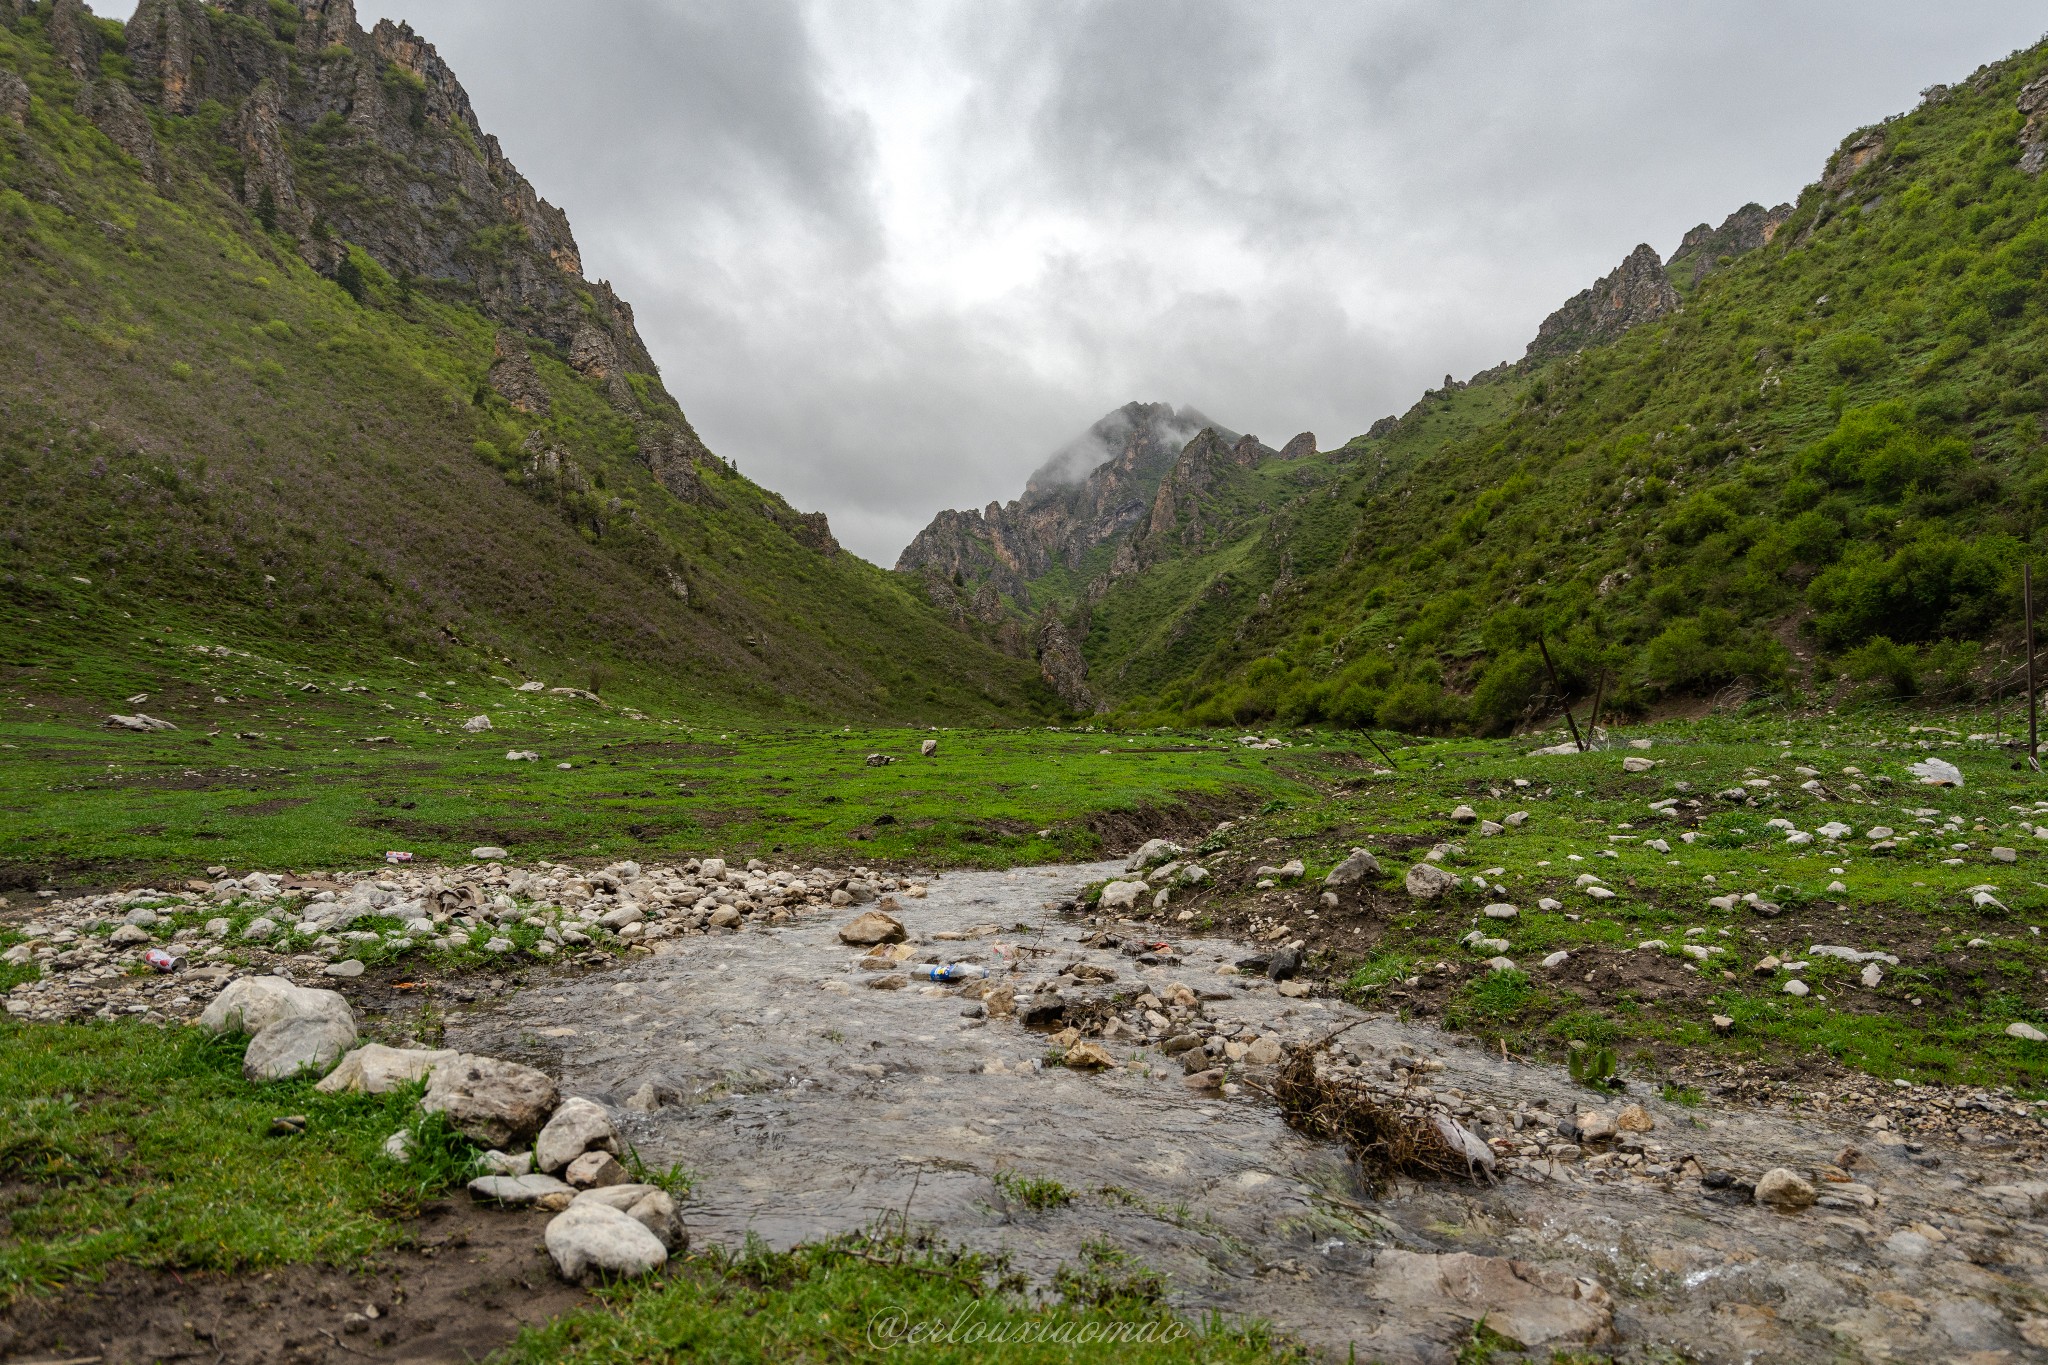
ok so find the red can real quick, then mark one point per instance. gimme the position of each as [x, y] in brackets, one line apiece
[163, 961]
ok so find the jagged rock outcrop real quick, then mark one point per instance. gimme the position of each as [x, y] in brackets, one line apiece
[75, 39]
[117, 113]
[1095, 489]
[14, 98]
[268, 186]
[1636, 292]
[1177, 512]
[1061, 664]
[1704, 249]
[814, 531]
[2033, 103]
[163, 42]
[516, 380]
[1843, 166]
[11, 11]
[1302, 446]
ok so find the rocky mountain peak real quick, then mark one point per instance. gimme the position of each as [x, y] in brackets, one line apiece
[1635, 292]
[1704, 248]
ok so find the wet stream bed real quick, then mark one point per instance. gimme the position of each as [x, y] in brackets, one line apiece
[808, 1103]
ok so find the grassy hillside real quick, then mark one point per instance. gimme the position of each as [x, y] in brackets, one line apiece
[1824, 471]
[207, 439]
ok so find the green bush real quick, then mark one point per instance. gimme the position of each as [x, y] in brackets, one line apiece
[1936, 585]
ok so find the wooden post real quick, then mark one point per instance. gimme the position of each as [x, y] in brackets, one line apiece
[1558, 688]
[2033, 736]
[1593, 722]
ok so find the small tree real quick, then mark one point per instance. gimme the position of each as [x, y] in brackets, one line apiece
[266, 208]
[350, 277]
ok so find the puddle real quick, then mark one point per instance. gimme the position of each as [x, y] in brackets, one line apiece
[808, 1104]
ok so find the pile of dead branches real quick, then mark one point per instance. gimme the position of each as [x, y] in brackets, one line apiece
[1385, 1140]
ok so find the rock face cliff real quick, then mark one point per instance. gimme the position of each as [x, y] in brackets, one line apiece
[1635, 292]
[1705, 249]
[1132, 490]
[339, 137]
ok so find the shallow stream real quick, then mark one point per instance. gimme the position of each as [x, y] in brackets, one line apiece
[808, 1104]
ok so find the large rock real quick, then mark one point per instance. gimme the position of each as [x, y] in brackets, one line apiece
[579, 1126]
[648, 1205]
[1122, 895]
[1151, 853]
[871, 928]
[1531, 1305]
[1354, 869]
[1783, 1190]
[1427, 881]
[590, 1240]
[374, 1069]
[492, 1102]
[295, 1029]
[251, 1004]
[298, 1044]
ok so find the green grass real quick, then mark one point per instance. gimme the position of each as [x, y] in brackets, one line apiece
[1908, 900]
[860, 1298]
[1037, 1193]
[145, 1146]
[270, 775]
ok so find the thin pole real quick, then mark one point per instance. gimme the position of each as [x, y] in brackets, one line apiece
[2033, 735]
[1383, 753]
[1558, 688]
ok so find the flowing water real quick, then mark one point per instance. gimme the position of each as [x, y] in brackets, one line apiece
[808, 1104]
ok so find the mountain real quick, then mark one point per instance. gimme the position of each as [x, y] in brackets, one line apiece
[1807, 451]
[1136, 486]
[292, 356]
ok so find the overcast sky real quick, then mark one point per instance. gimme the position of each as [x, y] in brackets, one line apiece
[891, 255]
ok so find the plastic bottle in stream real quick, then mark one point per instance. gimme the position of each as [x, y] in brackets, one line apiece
[952, 971]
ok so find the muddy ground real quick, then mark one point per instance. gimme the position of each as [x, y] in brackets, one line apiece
[464, 1284]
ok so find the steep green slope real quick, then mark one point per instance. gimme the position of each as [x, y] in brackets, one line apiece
[260, 387]
[1827, 464]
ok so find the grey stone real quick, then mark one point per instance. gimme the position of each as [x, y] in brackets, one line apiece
[494, 1102]
[374, 1069]
[1354, 869]
[251, 1004]
[648, 1205]
[521, 1190]
[590, 1240]
[578, 1126]
[301, 1043]
[1427, 881]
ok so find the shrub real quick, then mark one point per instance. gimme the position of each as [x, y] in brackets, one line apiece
[1708, 650]
[1853, 354]
[1936, 585]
